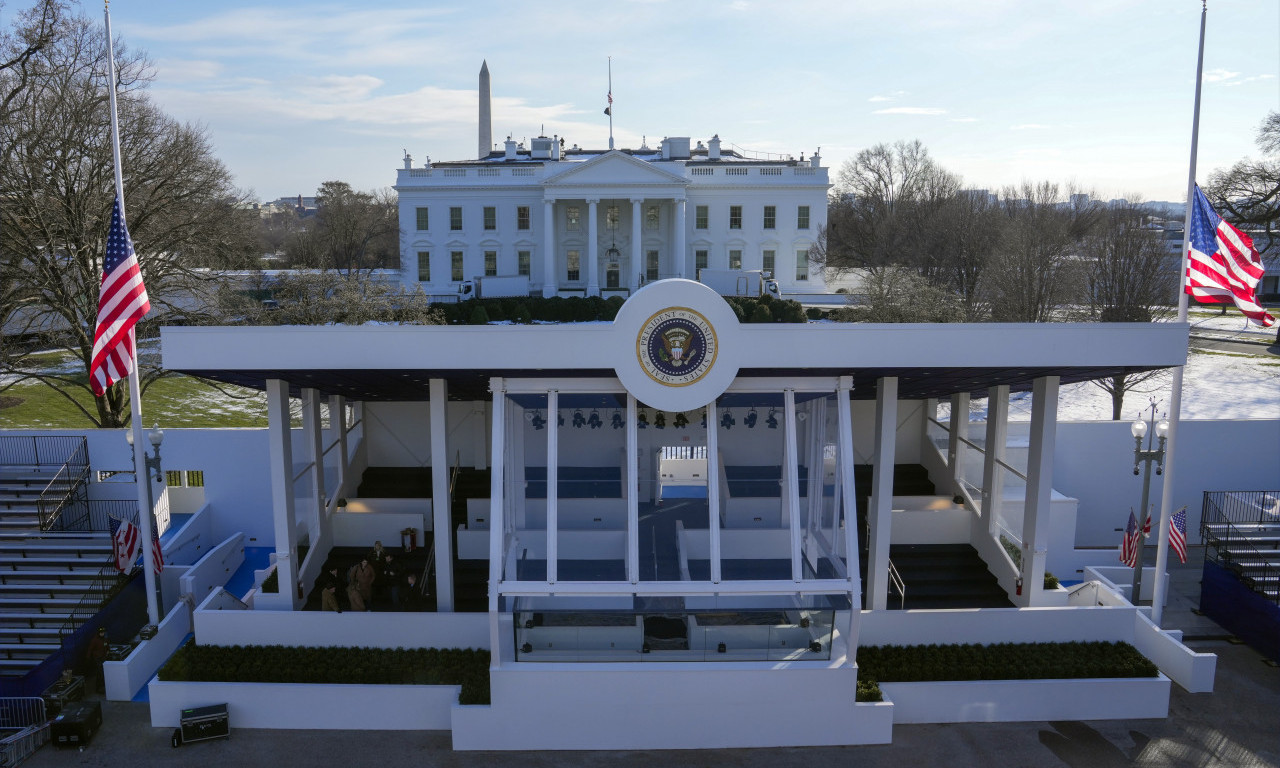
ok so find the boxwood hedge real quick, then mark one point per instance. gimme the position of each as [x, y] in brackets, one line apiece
[1002, 661]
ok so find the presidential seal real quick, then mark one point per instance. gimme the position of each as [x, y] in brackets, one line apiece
[676, 346]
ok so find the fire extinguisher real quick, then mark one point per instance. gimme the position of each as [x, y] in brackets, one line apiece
[1018, 584]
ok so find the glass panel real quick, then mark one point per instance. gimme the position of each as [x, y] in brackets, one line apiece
[675, 540]
[756, 540]
[590, 493]
[818, 436]
[525, 478]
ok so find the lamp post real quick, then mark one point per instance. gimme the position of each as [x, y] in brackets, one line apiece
[1151, 430]
[151, 464]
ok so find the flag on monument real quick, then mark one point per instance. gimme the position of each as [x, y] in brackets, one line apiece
[1129, 547]
[122, 301]
[1178, 534]
[1222, 264]
[125, 544]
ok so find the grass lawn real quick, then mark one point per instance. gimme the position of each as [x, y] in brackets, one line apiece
[181, 401]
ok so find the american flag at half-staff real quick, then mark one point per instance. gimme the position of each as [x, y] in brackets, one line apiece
[122, 301]
[1222, 265]
[1129, 547]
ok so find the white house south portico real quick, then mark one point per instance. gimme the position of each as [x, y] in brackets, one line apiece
[680, 508]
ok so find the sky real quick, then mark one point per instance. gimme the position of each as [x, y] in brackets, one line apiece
[1093, 92]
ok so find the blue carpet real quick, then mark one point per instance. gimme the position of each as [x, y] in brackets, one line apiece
[255, 559]
[684, 492]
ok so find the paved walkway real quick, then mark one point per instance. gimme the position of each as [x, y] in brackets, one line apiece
[1233, 727]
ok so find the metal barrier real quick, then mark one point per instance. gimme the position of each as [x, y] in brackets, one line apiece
[1235, 526]
[27, 715]
[37, 450]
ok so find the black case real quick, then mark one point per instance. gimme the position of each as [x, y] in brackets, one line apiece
[201, 723]
[77, 723]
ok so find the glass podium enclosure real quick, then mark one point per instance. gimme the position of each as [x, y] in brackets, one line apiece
[631, 533]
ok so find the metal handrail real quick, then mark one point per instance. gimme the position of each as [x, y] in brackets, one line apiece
[895, 580]
[455, 471]
[1257, 577]
[100, 590]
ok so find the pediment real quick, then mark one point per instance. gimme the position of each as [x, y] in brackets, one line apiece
[614, 168]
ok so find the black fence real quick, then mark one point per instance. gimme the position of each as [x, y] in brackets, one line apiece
[1241, 531]
[1241, 507]
[43, 451]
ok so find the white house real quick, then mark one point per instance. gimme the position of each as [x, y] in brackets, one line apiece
[589, 222]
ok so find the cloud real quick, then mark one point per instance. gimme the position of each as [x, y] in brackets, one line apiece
[183, 70]
[964, 119]
[910, 111]
[892, 96]
[1220, 75]
[1028, 127]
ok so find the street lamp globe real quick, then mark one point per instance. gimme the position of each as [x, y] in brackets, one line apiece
[1162, 428]
[1138, 428]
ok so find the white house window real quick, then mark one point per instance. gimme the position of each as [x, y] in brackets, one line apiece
[735, 259]
[735, 217]
[611, 217]
[700, 217]
[424, 266]
[802, 217]
[699, 259]
[770, 216]
[522, 217]
[424, 219]
[573, 265]
[455, 266]
[651, 217]
[802, 265]
[522, 263]
[768, 260]
[651, 266]
[572, 215]
[455, 218]
[490, 217]
[490, 263]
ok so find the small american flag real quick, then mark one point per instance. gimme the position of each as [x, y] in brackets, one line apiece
[1222, 264]
[125, 543]
[122, 301]
[157, 556]
[1178, 534]
[1129, 547]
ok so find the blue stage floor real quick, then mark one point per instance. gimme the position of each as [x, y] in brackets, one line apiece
[255, 559]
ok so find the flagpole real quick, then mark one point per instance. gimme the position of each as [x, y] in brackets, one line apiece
[1175, 400]
[610, 102]
[140, 472]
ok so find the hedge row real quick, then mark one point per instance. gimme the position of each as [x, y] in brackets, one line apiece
[1003, 661]
[346, 666]
[574, 309]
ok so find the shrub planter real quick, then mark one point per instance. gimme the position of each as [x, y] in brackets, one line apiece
[310, 706]
[1011, 701]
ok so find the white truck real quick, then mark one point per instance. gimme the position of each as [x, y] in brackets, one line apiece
[740, 282]
[494, 287]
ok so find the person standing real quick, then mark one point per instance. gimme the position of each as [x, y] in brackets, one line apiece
[391, 579]
[362, 577]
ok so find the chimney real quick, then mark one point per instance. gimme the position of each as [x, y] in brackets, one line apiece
[816, 160]
[510, 149]
[486, 128]
[408, 160]
[713, 148]
[678, 147]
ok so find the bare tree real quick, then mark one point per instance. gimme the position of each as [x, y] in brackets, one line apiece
[353, 231]
[1248, 193]
[901, 295]
[1132, 278]
[58, 189]
[1035, 269]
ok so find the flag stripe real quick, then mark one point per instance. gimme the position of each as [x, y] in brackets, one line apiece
[1222, 265]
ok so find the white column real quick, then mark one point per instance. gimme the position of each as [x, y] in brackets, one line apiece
[633, 493]
[497, 525]
[281, 459]
[548, 248]
[713, 487]
[791, 484]
[993, 473]
[441, 503]
[880, 511]
[958, 430]
[849, 500]
[680, 257]
[1035, 520]
[314, 439]
[338, 425]
[553, 486]
[593, 248]
[638, 263]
